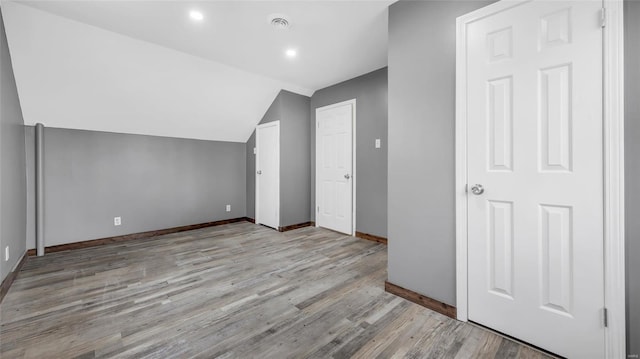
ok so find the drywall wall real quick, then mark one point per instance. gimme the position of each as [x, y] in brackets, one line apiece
[292, 110]
[251, 176]
[421, 219]
[632, 171]
[295, 183]
[272, 114]
[421, 150]
[151, 182]
[143, 88]
[370, 92]
[12, 165]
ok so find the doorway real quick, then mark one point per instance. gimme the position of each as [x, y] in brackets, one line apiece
[531, 155]
[268, 174]
[335, 164]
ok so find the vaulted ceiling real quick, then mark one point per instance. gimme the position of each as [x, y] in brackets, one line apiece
[146, 67]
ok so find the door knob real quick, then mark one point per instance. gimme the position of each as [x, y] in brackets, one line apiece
[477, 189]
[347, 176]
[259, 172]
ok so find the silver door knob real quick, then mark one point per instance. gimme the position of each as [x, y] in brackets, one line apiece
[259, 172]
[477, 189]
[347, 176]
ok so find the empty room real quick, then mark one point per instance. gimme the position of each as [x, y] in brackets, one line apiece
[320, 179]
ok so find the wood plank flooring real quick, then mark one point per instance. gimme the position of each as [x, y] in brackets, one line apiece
[234, 291]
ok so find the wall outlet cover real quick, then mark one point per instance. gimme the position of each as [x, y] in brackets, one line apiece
[6, 253]
[117, 221]
[228, 208]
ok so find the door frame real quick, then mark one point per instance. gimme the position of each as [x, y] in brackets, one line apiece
[613, 157]
[352, 102]
[259, 127]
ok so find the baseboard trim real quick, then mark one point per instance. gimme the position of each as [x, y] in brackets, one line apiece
[436, 306]
[296, 226]
[371, 237]
[140, 235]
[249, 219]
[8, 280]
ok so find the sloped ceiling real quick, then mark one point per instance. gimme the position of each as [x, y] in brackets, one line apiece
[144, 67]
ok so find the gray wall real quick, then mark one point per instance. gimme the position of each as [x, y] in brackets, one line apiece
[292, 110]
[12, 165]
[370, 92]
[251, 176]
[632, 168]
[272, 114]
[295, 180]
[151, 182]
[422, 53]
[421, 150]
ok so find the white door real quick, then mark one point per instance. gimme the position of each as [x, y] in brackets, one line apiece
[334, 166]
[268, 174]
[534, 120]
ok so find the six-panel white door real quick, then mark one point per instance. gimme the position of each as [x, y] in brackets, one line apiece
[334, 166]
[534, 122]
[268, 174]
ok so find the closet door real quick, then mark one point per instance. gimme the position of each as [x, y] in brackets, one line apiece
[268, 174]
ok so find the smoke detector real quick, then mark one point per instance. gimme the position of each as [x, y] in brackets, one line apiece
[279, 21]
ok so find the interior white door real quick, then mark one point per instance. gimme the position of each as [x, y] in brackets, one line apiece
[334, 166]
[534, 120]
[268, 174]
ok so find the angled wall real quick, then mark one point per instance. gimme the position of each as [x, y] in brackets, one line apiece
[273, 113]
[292, 110]
[73, 75]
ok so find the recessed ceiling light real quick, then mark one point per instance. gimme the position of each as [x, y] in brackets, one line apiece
[291, 53]
[196, 15]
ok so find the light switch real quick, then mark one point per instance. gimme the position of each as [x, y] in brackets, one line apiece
[377, 143]
[255, 150]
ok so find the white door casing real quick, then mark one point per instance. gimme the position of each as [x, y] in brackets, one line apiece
[335, 164]
[268, 174]
[529, 128]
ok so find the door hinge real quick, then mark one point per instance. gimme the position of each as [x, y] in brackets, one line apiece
[603, 17]
[318, 209]
[605, 317]
[466, 188]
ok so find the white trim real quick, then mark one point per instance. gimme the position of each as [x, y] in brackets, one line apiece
[257, 202]
[614, 254]
[614, 240]
[461, 169]
[354, 177]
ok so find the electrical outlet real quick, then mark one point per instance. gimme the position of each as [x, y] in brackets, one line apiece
[228, 208]
[117, 221]
[6, 253]
[255, 150]
[377, 143]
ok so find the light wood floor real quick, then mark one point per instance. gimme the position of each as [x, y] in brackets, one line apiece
[233, 291]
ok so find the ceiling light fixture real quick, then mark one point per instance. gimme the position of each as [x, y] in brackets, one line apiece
[291, 53]
[196, 15]
[279, 21]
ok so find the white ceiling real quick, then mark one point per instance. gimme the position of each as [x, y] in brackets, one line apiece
[335, 40]
[144, 67]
